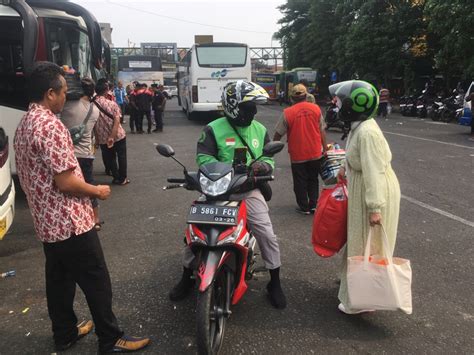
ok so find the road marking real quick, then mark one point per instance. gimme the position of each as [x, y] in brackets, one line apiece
[429, 140]
[437, 123]
[437, 210]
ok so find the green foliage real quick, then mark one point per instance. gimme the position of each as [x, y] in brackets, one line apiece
[452, 24]
[295, 23]
[379, 40]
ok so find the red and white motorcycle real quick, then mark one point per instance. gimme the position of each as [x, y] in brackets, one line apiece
[217, 233]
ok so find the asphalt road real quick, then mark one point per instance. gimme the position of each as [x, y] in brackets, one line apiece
[142, 238]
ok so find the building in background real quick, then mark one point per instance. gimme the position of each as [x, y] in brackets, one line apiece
[106, 29]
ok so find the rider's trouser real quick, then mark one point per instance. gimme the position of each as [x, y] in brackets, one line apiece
[260, 224]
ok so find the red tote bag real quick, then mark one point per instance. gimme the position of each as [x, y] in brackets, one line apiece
[330, 221]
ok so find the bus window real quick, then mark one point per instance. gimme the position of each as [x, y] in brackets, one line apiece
[222, 57]
[12, 81]
[68, 45]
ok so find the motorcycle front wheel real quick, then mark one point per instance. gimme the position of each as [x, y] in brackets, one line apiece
[211, 317]
[447, 116]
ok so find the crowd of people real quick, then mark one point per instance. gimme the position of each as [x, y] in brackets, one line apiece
[144, 102]
[54, 158]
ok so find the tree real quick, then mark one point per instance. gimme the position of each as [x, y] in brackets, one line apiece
[295, 24]
[452, 25]
[370, 39]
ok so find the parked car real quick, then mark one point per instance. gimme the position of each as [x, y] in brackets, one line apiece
[7, 187]
[170, 91]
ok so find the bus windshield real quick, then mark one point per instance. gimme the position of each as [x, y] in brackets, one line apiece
[69, 45]
[221, 56]
[309, 75]
[268, 78]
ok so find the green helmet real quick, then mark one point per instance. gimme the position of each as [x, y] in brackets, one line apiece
[357, 100]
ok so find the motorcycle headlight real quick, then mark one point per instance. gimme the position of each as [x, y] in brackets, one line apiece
[215, 188]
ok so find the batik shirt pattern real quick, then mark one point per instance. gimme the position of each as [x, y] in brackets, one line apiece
[43, 149]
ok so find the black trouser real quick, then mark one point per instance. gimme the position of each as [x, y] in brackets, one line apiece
[133, 118]
[139, 120]
[86, 165]
[158, 119]
[383, 109]
[79, 260]
[306, 183]
[118, 153]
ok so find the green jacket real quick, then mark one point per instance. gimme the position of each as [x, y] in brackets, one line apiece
[218, 141]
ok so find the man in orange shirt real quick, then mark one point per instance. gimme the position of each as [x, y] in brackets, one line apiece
[304, 126]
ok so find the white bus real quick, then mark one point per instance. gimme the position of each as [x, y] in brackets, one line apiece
[45, 30]
[205, 70]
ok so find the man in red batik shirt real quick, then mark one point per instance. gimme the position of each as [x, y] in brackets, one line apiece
[59, 200]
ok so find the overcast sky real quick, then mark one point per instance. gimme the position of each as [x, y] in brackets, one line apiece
[247, 21]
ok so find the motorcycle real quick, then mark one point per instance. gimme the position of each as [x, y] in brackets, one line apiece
[217, 234]
[452, 108]
[332, 116]
[422, 105]
[408, 105]
[403, 105]
[411, 106]
[436, 108]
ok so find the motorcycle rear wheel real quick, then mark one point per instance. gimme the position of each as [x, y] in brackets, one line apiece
[210, 317]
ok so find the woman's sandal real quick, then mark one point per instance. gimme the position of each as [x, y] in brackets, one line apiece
[98, 226]
[125, 182]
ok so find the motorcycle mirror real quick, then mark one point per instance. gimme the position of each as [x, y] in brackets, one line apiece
[272, 148]
[165, 150]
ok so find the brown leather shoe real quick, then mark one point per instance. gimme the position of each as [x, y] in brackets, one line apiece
[83, 328]
[127, 344]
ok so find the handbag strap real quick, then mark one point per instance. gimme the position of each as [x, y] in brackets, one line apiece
[242, 140]
[385, 246]
[101, 109]
[87, 116]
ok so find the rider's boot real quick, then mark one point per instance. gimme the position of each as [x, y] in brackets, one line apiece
[184, 286]
[275, 293]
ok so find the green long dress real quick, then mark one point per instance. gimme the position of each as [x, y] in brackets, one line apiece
[373, 187]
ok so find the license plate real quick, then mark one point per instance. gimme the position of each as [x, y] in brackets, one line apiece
[212, 214]
[3, 227]
[419, 106]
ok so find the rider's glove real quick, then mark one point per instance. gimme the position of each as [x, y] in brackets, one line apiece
[261, 168]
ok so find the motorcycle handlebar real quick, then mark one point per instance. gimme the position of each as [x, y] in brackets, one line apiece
[264, 178]
[176, 180]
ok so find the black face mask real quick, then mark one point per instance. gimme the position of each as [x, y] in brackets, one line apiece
[247, 112]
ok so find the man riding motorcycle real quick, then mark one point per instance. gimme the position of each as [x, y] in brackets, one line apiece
[218, 142]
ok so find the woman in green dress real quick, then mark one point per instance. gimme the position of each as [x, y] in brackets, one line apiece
[374, 192]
